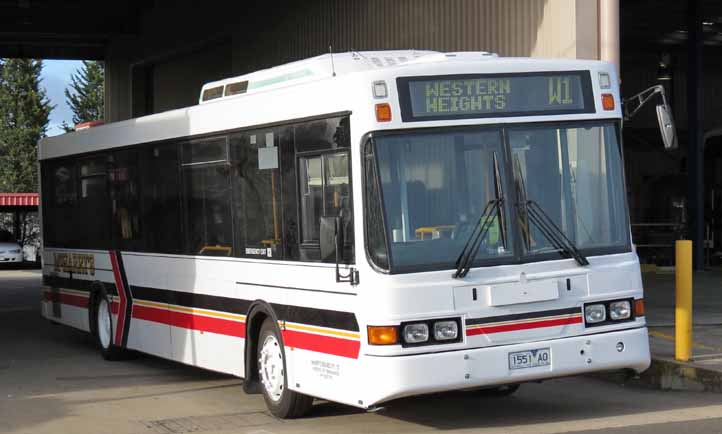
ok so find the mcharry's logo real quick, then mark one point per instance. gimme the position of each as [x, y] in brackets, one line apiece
[78, 263]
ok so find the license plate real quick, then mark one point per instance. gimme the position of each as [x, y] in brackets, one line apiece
[530, 358]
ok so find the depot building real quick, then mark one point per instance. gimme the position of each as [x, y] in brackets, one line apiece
[158, 54]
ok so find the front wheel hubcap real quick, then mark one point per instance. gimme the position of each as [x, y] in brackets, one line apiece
[270, 367]
[104, 323]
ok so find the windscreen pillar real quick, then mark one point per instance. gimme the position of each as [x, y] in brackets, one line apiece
[695, 126]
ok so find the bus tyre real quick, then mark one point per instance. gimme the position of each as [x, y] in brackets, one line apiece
[104, 327]
[281, 401]
[499, 391]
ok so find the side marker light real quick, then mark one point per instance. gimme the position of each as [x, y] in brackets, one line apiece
[383, 112]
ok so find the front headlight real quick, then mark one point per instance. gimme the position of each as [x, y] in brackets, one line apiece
[445, 330]
[416, 333]
[619, 310]
[595, 313]
[15, 251]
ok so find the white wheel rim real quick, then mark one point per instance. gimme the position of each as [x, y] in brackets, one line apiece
[270, 367]
[104, 323]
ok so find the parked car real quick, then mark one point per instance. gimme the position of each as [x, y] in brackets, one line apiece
[10, 250]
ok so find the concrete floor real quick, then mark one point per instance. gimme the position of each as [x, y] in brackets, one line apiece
[53, 381]
[707, 316]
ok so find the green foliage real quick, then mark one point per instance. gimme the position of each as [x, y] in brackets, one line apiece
[86, 95]
[24, 111]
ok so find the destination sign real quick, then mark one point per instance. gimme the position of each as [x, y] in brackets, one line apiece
[495, 95]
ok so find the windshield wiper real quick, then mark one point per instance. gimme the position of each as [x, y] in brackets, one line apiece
[482, 226]
[530, 211]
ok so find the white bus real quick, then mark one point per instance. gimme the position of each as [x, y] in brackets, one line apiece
[357, 227]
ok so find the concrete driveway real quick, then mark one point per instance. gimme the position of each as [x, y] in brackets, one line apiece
[52, 380]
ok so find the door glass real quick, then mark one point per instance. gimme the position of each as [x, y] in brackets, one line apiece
[311, 198]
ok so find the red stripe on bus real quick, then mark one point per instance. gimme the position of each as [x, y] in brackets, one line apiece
[306, 341]
[321, 344]
[190, 321]
[69, 299]
[523, 326]
[121, 293]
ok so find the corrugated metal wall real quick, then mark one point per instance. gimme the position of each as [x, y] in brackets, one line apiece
[264, 33]
[543, 28]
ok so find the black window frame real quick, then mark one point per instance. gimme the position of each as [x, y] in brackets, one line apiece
[176, 142]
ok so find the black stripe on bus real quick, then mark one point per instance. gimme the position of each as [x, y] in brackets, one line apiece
[128, 300]
[299, 314]
[521, 316]
[194, 300]
[77, 284]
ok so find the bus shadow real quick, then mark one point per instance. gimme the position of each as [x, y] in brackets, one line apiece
[558, 401]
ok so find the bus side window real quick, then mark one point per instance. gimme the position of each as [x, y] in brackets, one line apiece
[324, 188]
[256, 183]
[125, 199]
[59, 202]
[92, 212]
[206, 182]
[161, 203]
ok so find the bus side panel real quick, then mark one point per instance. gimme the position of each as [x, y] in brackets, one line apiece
[149, 330]
[69, 277]
[207, 320]
[322, 352]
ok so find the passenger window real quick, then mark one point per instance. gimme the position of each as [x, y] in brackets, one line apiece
[256, 191]
[161, 194]
[207, 198]
[125, 199]
[92, 214]
[64, 183]
[59, 202]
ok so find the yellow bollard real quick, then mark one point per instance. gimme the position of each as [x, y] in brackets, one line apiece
[683, 301]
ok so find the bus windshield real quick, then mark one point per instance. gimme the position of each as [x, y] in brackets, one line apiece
[426, 190]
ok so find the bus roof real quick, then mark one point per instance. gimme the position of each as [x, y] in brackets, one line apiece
[324, 66]
[318, 87]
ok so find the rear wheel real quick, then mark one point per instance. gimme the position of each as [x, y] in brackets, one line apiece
[104, 328]
[282, 402]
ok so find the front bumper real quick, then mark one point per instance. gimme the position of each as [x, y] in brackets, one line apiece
[400, 376]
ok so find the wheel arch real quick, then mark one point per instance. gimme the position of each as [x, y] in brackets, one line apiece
[257, 313]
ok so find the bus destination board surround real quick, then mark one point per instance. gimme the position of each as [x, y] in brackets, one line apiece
[469, 96]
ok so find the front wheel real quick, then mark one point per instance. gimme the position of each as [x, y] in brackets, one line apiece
[282, 402]
[104, 328]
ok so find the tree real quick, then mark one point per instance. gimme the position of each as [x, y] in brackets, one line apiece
[24, 112]
[86, 94]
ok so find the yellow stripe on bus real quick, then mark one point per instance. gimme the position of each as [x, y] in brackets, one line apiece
[192, 310]
[322, 331]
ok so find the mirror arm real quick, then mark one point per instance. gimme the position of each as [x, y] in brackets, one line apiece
[641, 99]
[352, 276]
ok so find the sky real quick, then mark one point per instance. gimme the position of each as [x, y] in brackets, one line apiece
[55, 78]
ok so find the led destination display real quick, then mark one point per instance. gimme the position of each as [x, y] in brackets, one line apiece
[491, 95]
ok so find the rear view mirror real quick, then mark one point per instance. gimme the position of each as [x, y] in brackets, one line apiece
[633, 104]
[666, 126]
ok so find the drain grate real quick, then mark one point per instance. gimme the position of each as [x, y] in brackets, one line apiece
[217, 422]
